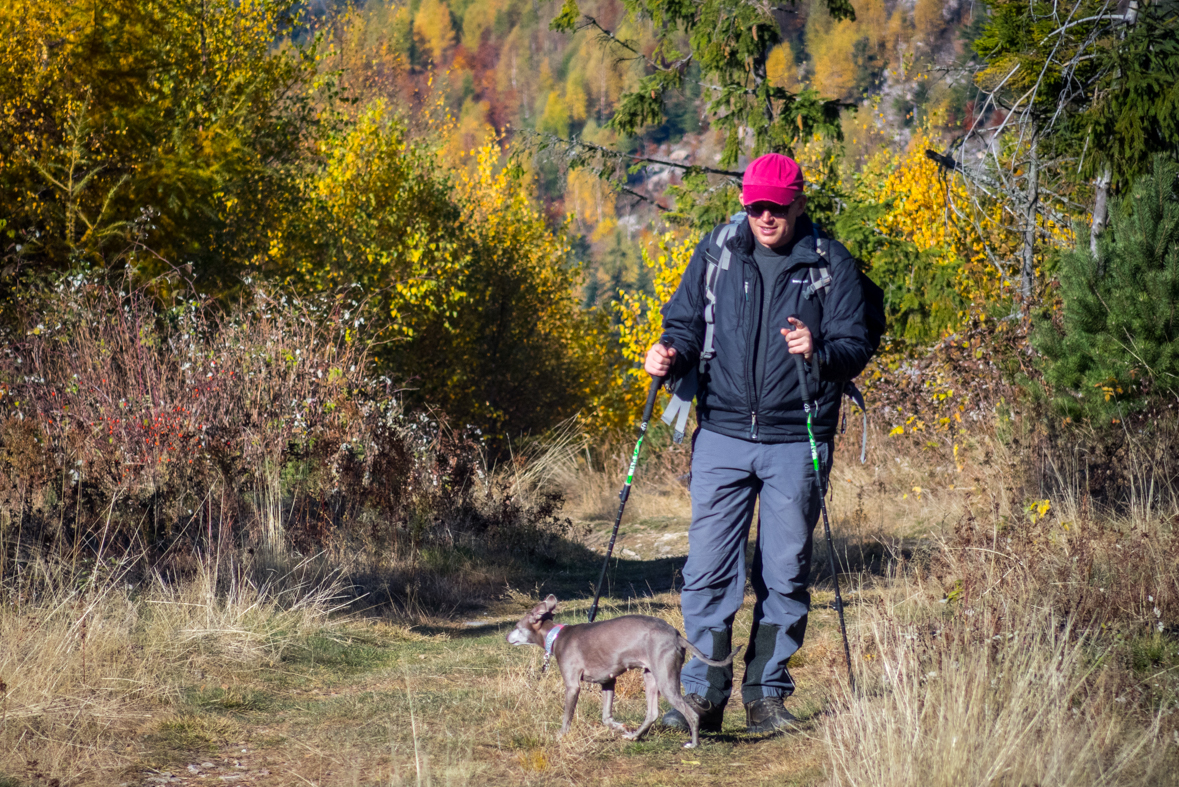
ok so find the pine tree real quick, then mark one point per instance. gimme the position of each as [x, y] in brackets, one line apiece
[1115, 347]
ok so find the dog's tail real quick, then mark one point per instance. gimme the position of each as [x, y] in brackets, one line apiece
[696, 652]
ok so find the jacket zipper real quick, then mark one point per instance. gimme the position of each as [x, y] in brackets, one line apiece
[751, 336]
[754, 396]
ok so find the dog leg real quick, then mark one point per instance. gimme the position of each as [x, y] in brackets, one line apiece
[571, 692]
[669, 684]
[608, 707]
[651, 686]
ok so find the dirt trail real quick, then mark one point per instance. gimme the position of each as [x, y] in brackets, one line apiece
[449, 702]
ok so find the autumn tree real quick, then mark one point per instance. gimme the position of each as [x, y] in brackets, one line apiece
[722, 47]
[134, 125]
[1073, 99]
[432, 24]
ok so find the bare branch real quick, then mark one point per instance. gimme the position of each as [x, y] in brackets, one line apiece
[677, 66]
[1059, 30]
[614, 154]
[643, 197]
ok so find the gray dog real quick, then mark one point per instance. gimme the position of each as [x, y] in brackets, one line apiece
[600, 652]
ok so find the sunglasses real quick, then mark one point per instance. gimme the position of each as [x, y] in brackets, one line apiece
[759, 209]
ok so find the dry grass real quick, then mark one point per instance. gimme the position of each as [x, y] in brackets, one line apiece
[90, 663]
[976, 620]
[591, 478]
[1015, 635]
[996, 693]
[1032, 707]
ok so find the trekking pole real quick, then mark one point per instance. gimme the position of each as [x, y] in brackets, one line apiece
[806, 405]
[625, 493]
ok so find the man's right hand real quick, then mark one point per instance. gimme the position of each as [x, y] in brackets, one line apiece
[659, 360]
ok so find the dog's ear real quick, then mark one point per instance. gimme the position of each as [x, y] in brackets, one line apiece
[538, 612]
[551, 602]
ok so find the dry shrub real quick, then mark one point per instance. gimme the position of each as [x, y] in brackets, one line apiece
[127, 427]
[160, 424]
[1112, 574]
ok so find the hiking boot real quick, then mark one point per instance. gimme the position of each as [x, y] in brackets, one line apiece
[767, 715]
[711, 715]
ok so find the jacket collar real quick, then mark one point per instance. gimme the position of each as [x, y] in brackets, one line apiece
[803, 253]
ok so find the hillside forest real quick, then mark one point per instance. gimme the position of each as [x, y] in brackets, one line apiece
[357, 294]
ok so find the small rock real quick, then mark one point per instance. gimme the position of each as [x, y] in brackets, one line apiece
[208, 765]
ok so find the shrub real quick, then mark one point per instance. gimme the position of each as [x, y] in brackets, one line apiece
[124, 426]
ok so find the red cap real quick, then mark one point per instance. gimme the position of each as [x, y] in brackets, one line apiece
[771, 178]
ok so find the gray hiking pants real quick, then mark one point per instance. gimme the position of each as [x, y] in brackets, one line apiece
[728, 475]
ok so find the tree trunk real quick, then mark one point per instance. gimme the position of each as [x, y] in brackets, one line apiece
[1100, 209]
[1028, 268]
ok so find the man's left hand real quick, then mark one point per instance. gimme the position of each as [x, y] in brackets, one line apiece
[799, 341]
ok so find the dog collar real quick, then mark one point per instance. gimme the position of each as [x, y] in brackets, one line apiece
[551, 638]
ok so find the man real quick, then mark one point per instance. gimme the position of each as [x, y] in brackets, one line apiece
[752, 441]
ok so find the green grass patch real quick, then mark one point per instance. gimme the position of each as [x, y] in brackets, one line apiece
[240, 700]
[192, 733]
[343, 652]
[1153, 652]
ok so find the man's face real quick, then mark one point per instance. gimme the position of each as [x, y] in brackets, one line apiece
[773, 224]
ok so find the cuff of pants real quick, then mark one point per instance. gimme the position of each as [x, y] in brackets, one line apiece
[711, 693]
[749, 694]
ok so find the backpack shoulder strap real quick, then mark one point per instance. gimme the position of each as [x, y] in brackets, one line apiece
[719, 257]
[821, 275]
[852, 392]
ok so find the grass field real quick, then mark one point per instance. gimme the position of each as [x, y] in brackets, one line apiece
[981, 653]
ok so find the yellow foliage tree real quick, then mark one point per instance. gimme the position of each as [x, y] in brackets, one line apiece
[119, 122]
[473, 293]
[934, 257]
[371, 220]
[520, 355]
[928, 21]
[831, 45]
[576, 98]
[591, 203]
[555, 118]
[477, 19]
[640, 324]
[780, 68]
[872, 19]
[432, 25]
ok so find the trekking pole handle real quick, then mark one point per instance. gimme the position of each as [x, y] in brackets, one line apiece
[653, 391]
[800, 363]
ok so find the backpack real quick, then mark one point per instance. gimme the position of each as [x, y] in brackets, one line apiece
[718, 256]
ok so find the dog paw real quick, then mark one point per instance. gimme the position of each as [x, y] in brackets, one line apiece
[689, 745]
[631, 736]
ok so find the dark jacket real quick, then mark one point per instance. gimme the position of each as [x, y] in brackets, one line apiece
[729, 401]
